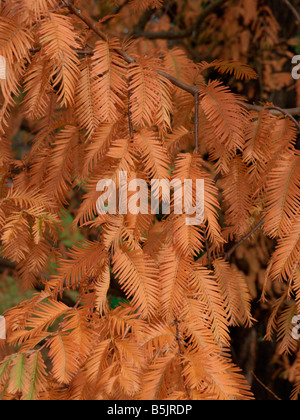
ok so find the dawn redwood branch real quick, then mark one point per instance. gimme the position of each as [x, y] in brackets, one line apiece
[6, 263]
[228, 254]
[181, 352]
[193, 90]
[276, 110]
[116, 11]
[188, 88]
[265, 387]
[196, 96]
[293, 10]
[140, 27]
[207, 251]
[131, 131]
[84, 52]
[285, 112]
[185, 32]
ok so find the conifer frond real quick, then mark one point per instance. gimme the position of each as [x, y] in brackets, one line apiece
[239, 70]
[237, 195]
[59, 175]
[150, 96]
[190, 166]
[64, 356]
[258, 137]
[37, 87]
[42, 317]
[178, 64]
[86, 99]
[138, 277]
[208, 290]
[35, 9]
[58, 43]
[17, 374]
[236, 293]
[102, 284]
[174, 283]
[99, 143]
[154, 156]
[282, 196]
[154, 379]
[15, 40]
[287, 254]
[77, 324]
[108, 72]
[37, 376]
[284, 330]
[175, 139]
[224, 110]
[84, 260]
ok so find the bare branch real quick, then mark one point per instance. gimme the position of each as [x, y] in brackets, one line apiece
[293, 10]
[196, 95]
[228, 254]
[265, 387]
[276, 110]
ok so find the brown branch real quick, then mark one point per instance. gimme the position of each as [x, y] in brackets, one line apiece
[7, 263]
[144, 19]
[181, 352]
[116, 11]
[185, 32]
[131, 131]
[276, 110]
[228, 254]
[176, 82]
[293, 10]
[84, 52]
[178, 339]
[284, 112]
[196, 96]
[265, 387]
[207, 251]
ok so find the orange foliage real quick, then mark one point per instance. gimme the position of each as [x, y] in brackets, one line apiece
[98, 105]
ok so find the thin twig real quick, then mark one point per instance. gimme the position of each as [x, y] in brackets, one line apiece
[181, 352]
[293, 10]
[196, 96]
[84, 52]
[228, 254]
[265, 387]
[276, 110]
[131, 131]
[207, 251]
[284, 112]
[290, 111]
[116, 11]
